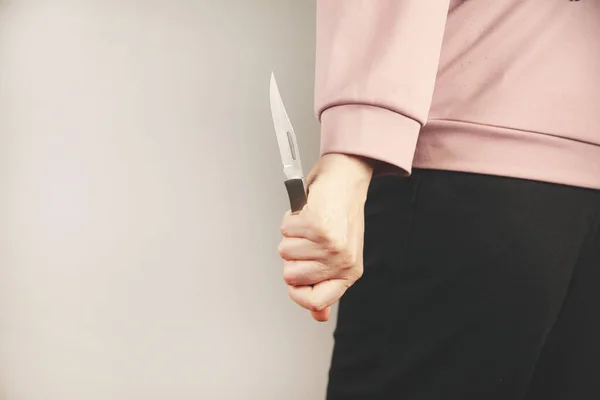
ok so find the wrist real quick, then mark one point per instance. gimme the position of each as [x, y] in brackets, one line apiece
[350, 165]
[353, 172]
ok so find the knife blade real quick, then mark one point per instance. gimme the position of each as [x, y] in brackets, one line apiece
[288, 149]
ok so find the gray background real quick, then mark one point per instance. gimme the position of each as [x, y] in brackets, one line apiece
[141, 193]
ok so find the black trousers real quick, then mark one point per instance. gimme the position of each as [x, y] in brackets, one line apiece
[475, 287]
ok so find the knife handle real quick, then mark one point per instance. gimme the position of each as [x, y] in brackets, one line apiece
[296, 193]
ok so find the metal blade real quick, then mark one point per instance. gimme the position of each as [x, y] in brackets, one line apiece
[286, 138]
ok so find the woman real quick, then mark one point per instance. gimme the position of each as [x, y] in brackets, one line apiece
[471, 130]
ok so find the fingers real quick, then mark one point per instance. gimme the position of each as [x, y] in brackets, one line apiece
[304, 225]
[305, 273]
[323, 256]
[320, 296]
[291, 249]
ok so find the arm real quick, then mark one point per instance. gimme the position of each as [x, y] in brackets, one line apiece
[376, 67]
[375, 73]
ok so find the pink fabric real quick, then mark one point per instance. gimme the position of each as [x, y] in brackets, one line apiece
[498, 87]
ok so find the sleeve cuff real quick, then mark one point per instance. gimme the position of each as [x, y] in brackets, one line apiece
[373, 132]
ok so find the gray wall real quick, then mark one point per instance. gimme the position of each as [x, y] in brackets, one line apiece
[140, 199]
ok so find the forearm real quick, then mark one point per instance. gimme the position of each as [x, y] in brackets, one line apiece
[352, 174]
[375, 74]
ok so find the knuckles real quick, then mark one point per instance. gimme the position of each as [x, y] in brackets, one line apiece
[347, 260]
[334, 252]
[357, 273]
[284, 229]
[315, 305]
[291, 227]
[283, 250]
[290, 277]
[320, 233]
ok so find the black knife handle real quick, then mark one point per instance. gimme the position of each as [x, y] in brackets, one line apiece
[296, 193]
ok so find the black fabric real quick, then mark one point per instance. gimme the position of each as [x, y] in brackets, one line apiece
[475, 287]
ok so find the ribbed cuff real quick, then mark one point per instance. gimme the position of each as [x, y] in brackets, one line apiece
[371, 132]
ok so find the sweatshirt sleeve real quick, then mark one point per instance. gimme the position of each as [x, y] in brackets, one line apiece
[376, 65]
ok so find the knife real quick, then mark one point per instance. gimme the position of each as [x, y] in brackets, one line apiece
[288, 149]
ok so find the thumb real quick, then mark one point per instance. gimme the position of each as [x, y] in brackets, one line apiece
[323, 315]
[320, 297]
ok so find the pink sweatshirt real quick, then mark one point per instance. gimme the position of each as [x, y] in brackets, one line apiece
[500, 87]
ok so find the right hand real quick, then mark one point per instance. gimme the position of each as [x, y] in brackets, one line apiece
[322, 247]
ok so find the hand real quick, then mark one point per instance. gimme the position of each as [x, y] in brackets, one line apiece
[322, 246]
